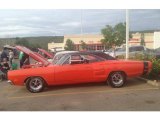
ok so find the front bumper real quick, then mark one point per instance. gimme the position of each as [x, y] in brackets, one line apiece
[10, 82]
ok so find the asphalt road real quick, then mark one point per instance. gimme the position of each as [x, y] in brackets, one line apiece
[134, 96]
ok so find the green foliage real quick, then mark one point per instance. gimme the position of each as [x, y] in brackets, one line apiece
[42, 41]
[155, 72]
[69, 45]
[22, 42]
[83, 45]
[114, 36]
[109, 36]
[26, 43]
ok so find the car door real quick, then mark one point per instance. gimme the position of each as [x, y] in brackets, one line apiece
[69, 73]
[98, 66]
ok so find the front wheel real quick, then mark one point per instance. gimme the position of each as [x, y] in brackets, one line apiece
[35, 84]
[117, 79]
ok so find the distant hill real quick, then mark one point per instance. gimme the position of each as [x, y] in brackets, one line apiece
[41, 40]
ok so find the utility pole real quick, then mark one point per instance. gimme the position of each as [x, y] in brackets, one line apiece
[127, 33]
[81, 25]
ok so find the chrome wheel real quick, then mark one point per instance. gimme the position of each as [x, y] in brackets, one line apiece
[117, 79]
[35, 84]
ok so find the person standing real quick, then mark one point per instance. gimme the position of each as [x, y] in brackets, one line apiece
[24, 59]
[5, 67]
[1, 73]
[11, 56]
[4, 55]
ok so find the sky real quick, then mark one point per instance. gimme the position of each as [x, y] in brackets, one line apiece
[56, 22]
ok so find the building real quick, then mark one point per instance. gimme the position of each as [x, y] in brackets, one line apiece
[93, 41]
[56, 46]
[156, 38]
[148, 39]
[152, 39]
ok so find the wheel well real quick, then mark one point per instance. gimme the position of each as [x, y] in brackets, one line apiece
[125, 75]
[36, 76]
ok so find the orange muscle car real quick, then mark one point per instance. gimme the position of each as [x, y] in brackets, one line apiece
[78, 67]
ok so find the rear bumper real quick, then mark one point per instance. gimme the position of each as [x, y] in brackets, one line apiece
[10, 82]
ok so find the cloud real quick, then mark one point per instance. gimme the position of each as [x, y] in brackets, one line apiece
[11, 19]
[71, 24]
[60, 22]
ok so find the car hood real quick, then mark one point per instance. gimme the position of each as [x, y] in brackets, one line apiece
[33, 55]
[46, 53]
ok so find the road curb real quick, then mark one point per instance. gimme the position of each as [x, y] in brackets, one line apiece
[150, 82]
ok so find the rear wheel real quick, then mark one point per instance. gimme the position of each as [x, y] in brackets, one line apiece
[117, 79]
[35, 84]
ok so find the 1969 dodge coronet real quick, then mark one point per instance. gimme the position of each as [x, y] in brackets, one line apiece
[78, 67]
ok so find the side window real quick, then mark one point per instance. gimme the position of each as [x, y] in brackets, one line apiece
[76, 59]
[66, 62]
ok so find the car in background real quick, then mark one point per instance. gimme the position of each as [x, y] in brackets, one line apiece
[111, 50]
[132, 51]
[75, 68]
[46, 54]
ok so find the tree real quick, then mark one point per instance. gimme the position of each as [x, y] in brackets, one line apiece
[83, 45]
[22, 42]
[114, 36]
[109, 36]
[69, 45]
[142, 39]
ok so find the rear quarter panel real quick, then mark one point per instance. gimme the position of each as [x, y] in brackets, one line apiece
[131, 68]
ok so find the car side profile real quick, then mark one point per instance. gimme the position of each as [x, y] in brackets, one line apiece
[79, 67]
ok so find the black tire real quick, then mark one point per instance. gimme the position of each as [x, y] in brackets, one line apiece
[117, 79]
[35, 84]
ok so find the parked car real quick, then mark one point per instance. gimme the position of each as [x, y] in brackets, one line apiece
[132, 51]
[111, 51]
[45, 53]
[74, 68]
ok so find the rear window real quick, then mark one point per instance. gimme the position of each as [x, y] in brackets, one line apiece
[105, 56]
